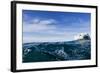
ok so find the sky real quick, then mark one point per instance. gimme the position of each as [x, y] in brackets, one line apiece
[49, 26]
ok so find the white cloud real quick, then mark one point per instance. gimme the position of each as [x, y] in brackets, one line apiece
[35, 21]
[45, 38]
[46, 22]
[49, 31]
[37, 25]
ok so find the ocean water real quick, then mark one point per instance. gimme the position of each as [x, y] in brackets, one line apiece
[56, 51]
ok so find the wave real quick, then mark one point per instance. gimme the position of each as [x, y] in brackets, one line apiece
[58, 51]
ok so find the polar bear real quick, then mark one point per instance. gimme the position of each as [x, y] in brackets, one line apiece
[82, 36]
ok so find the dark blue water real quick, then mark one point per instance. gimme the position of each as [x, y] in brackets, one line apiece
[56, 51]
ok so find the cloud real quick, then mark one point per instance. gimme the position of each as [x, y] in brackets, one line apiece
[44, 30]
[37, 25]
[43, 38]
